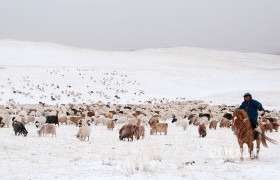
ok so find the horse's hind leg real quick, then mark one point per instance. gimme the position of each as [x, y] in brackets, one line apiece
[258, 147]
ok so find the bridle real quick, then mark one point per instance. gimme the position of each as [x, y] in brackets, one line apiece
[239, 126]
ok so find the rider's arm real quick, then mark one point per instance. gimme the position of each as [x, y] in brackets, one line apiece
[258, 105]
[242, 105]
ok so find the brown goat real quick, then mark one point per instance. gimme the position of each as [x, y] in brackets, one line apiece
[159, 127]
[75, 119]
[62, 120]
[110, 125]
[202, 130]
[213, 124]
[225, 123]
[154, 120]
[268, 127]
[140, 131]
[90, 114]
[275, 126]
[127, 131]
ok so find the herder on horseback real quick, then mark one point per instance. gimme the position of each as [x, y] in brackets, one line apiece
[245, 126]
[251, 107]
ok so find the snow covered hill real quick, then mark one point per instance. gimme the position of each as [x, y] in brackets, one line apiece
[191, 73]
[32, 72]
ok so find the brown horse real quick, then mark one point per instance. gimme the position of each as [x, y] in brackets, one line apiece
[241, 126]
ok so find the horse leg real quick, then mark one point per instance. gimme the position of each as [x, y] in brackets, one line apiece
[258, 147]
[251, 147]
[241, 152]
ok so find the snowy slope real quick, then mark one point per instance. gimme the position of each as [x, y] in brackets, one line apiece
[135, 76]
[193, 73]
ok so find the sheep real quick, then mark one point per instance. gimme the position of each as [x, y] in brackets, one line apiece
[47, 129]
[268, 127]
[110, 125]
[6, 120]
[213, 124]
[154, 120]
[275, 126]
[203, 120]
[83, 133]
[63, 119]
[127, 131]
[225, 123]
[40, 121]
[184, 124]
[75, 119]
[30, 119]
[159, 127]
[140, 131]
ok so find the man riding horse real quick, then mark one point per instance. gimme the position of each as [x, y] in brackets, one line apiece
[252, 106]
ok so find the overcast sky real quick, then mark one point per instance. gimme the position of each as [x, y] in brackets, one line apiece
[245, 25]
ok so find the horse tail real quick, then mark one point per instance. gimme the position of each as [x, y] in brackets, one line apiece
[264, 138]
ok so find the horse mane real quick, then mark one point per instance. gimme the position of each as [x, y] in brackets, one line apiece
[242, 113]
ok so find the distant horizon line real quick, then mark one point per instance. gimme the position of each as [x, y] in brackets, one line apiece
[147, 48]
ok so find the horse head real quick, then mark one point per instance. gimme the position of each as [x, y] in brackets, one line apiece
[237, 119]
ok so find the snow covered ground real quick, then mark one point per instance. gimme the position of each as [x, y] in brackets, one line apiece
[158, 157]
[135, 76]
[191, 73]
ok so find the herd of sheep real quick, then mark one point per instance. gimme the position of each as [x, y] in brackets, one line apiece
[65, 85]
[133, 119]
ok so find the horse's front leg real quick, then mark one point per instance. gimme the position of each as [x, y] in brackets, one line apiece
[251, 152]
[241, 151]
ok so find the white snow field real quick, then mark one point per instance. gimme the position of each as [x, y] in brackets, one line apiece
[32, 72]
[191, 73]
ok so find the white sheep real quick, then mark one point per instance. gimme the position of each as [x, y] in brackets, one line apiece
[84, 132]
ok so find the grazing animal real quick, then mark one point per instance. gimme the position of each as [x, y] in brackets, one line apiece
[268, 127]
[140, 132]
[110, 125]
[62, 120]
[174, 119]
[184, 125]
[154, 121]
[205, 115]
[192, 118]
[227, 116]
[127, 107]
[6, 120]
[37, 124]
[84, 132]
[30, 119]
[40, 121]
[159, 127]
[202, 130]
[19, 128]
[47, 129]
[213, 124]
[225, 123]
[75, 119]
[52, 120]
[1, 124]
[90, 114]
[244, 132]
[275, 126]
[127, 131]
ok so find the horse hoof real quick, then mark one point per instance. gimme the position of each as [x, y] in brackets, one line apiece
[241, 159]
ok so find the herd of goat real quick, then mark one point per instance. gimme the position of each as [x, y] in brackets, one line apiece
[133, 118]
